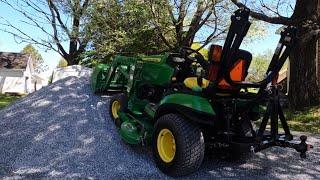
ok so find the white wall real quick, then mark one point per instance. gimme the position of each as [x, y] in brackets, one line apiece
[17, 80]
[14, 85]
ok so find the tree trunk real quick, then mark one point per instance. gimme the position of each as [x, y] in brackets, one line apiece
[318, 52]
[303, 88]
[70, 60]
[318, 62]
[73, 56]
[73, 43]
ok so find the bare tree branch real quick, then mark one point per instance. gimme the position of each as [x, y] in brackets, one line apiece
[201, 8]
[40, 14]
[58, 16]
[159, 29]
[55, 31]
[263, 17]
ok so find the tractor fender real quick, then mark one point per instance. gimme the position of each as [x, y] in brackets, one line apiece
[194, 108]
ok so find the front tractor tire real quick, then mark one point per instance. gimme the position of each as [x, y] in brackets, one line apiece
[178, 145]
[118, 103]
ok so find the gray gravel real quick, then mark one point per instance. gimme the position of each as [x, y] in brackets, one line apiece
[64, 131]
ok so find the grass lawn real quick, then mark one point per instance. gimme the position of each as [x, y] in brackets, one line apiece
[303, 121]
[307, 120]
[7, 99]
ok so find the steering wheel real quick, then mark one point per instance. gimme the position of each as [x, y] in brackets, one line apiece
[187, 51]
[198, 58]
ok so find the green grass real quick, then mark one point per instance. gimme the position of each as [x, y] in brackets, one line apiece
[307, 120]
[5, 100]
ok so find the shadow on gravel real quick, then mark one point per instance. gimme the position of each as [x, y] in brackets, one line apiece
[64, 131]
[275, 163]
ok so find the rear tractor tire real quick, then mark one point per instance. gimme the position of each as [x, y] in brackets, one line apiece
[118, 102]
[178, 145]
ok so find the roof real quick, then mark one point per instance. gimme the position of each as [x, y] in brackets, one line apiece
[11, 60]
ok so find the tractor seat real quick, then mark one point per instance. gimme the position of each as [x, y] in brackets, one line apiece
[192, 83]
[241, 61]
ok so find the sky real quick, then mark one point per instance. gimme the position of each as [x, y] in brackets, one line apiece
[265, 43]
[8, 42]
[51, 58]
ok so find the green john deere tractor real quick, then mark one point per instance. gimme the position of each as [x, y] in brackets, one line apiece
[181, 104]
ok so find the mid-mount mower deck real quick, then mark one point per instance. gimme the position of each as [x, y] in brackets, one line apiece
[180, 103]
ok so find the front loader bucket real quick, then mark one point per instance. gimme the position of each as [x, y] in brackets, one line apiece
[112, 77]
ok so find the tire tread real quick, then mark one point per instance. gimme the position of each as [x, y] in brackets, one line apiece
[192, 150]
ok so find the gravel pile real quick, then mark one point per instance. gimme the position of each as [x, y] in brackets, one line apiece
[64, 131]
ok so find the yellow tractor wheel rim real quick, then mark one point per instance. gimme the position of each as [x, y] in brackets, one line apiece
[166, 145]
[115, 107]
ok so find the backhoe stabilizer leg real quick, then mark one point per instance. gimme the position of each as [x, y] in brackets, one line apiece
[302, 147]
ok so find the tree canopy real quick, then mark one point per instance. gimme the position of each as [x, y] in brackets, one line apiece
[151, 27]
[37, 60]
[123, 27]
[29, 49]
[63, 25]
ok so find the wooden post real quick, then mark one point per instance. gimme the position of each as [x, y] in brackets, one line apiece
[26, 85]
[35, 86]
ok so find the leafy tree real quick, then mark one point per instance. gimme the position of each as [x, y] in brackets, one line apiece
[91, 57]
[258, 66]
[151, 27]
[123, 27]
[36, 57]
[304, 88]
[62, 23]
[133, 27]
[195, 21]
[188, 20]
[29, 49]
[62, 63]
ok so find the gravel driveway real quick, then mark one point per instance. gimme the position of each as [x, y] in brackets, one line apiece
[64, 131]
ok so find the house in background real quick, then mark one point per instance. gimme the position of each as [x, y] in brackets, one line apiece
[16, 73]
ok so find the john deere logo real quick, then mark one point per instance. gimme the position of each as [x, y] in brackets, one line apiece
[152, 59]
